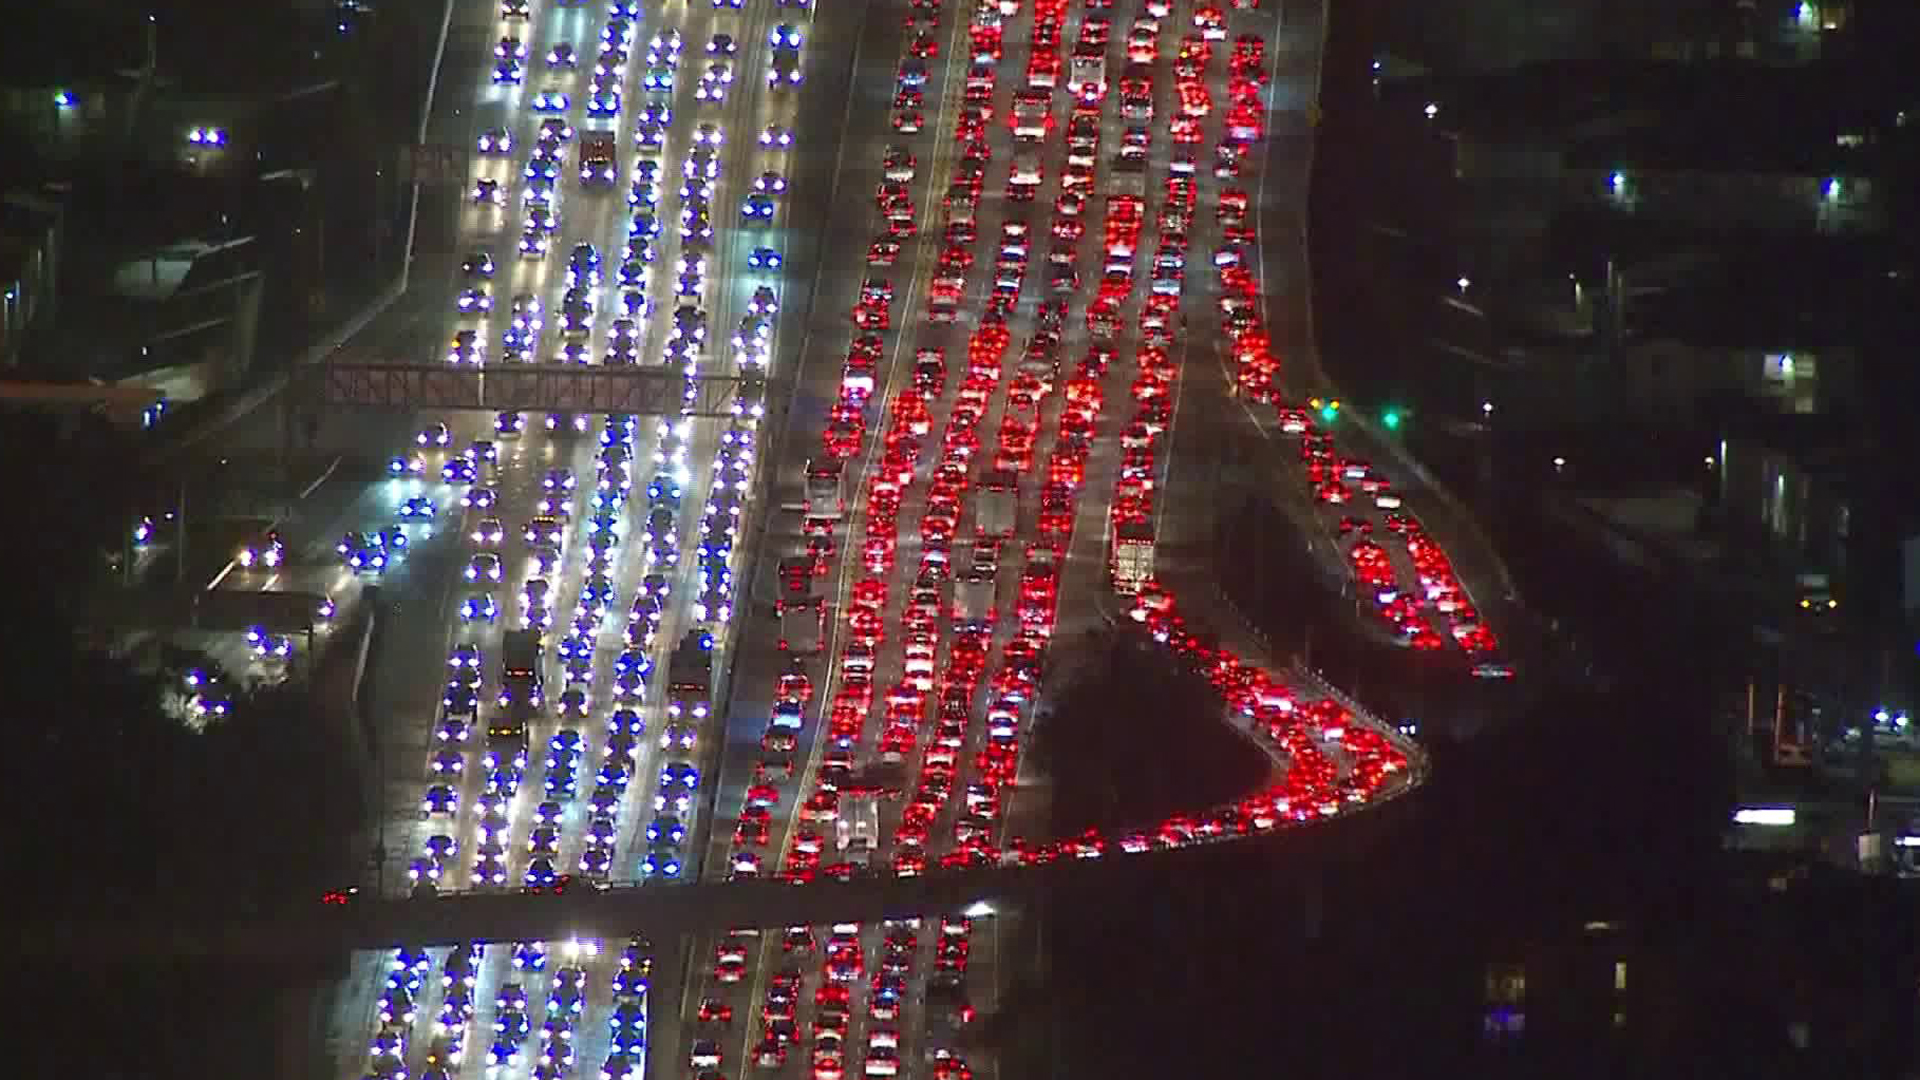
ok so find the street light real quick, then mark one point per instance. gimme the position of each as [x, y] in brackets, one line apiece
[1432, 110]
[1463, 283]
[64, 99]
[1486, 409]
[1559, 464]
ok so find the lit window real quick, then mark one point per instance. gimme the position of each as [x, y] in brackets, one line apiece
[1620, 975]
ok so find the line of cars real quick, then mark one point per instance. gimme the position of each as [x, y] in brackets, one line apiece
[1437, 600]
[455, 1033]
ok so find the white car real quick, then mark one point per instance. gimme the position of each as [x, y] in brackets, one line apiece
[714, 82]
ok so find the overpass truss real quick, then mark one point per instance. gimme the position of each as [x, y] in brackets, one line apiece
[351, 382]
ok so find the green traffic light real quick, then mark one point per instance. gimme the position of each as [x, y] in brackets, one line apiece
[1391, 418]
[1328, 412]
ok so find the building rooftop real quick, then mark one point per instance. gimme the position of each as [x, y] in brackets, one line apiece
[71, 46]
[1722, 116]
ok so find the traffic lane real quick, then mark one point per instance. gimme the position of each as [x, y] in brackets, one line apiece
[804, 234]
[575, 453]
[891, 378]
[412, 668]
[815, 387]
[414, 594]
[757, 666]
[515, 484]
[747, 109]
[842, 249]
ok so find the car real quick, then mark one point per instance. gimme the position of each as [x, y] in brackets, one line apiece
[551, 101]
[757, 207]
[562, 56]
[771, 181]
[764, 258]
[497, 142]
[661, 862]
[774, 135]
[509, 72]
[665, 48]
[488, 192]
[603, 103]
[484, 566]
[714, 82]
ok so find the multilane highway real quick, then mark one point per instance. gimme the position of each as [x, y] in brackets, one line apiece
[704, 964]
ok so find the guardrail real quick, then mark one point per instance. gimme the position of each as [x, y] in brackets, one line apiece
[420, 138]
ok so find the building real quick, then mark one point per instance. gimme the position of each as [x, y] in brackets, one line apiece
[31, 234]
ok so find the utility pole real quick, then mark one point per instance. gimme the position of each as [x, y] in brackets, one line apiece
[180, 536]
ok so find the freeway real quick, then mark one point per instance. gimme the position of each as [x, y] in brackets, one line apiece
[967, 829]
[658, 501]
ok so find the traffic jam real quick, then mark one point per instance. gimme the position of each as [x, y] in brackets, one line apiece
[942, 497]
[1405, 573]
[575, 713]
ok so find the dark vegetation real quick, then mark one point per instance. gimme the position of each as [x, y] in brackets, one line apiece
[120, 811]
[1134, 737]
[1360, 949]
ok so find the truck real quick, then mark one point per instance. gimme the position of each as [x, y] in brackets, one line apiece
[1087, 73]
[826, 489]
[1130, 556]
[803, 625]
[973, 603]
[598, 167]
[690, 675]
[796, 581]
[507, 730]
[520, 656]
[998, 511]
[857, 831]
[1128, 175]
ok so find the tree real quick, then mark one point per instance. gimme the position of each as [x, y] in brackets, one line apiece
[117, 807]
[1134, 737]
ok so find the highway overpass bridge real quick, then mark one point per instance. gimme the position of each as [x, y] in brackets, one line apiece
[324, 933]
